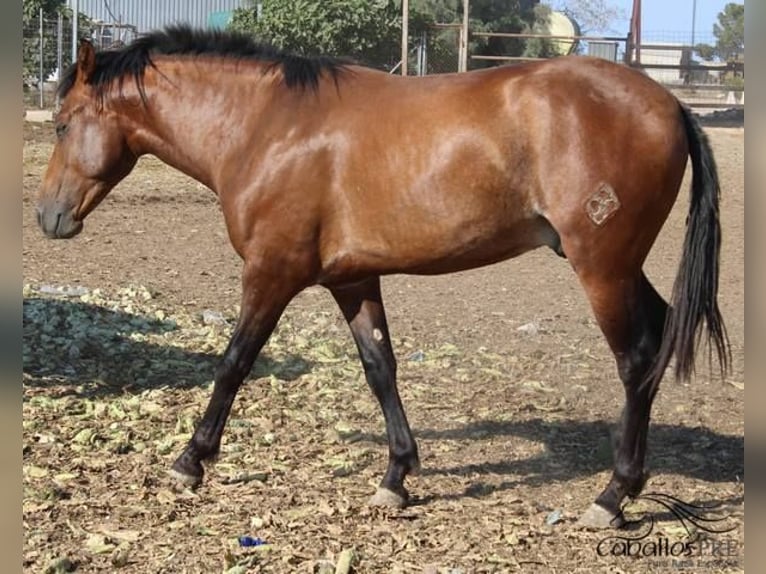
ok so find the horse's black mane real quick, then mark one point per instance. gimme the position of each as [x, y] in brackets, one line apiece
[132, 60]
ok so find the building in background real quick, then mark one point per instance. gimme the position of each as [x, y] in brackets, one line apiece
[673, 55]
[126, 17]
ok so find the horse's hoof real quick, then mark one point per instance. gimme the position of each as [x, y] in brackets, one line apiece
[599, 518]
[187, 480]
[387, 498]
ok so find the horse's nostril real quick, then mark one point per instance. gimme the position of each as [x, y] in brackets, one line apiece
[40, 217]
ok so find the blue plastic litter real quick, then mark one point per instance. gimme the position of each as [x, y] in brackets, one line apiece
[250, 541]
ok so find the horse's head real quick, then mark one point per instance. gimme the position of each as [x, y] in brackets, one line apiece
[90, 157]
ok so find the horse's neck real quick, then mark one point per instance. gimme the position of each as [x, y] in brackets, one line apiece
[187, 124]
[178, 153]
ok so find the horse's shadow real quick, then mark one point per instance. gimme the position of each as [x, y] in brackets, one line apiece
[575, 449]
[113, 353]
[98, 351]
[578, 449]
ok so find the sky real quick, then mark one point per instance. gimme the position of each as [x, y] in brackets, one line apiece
[672, 16]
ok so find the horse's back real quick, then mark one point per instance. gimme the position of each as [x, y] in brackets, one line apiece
[450, 172]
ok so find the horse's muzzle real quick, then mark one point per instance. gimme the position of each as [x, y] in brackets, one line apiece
[57, 221]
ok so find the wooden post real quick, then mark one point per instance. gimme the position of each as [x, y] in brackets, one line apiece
[405, 22]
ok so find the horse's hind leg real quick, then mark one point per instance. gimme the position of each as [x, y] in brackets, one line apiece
[632, 316]
[362, 306]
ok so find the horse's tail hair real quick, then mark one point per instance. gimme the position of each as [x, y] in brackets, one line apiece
[695, 290]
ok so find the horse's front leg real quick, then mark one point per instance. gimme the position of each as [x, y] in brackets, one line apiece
[266, 291]
[362, 306]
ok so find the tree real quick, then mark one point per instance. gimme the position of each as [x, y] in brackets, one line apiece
[540, 47]
[432, 10]
[369, 31]
[729, 33]
[590, 15]
[364, 30]
[31, 8]
[730, 43]
[509, 16]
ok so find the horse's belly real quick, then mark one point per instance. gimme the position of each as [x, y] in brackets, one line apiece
[468, 249]
[434, 249]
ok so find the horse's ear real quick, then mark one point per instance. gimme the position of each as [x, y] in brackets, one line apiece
[86, 60]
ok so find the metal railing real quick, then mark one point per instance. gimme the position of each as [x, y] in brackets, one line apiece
[699, 84]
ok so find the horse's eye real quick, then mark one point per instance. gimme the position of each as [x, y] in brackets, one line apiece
[61, 129]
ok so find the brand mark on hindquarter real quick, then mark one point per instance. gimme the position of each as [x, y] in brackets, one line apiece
[602, 204]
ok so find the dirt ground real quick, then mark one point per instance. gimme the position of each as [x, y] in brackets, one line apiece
[506, 379]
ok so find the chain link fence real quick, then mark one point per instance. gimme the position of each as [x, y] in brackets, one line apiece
[47, 49]
[432, 51]
[442, 43]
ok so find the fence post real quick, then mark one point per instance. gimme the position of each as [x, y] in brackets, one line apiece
[405, 34]
[463, 48]
[42, 72]
[75, 23]
[59, 46]
[422, 55]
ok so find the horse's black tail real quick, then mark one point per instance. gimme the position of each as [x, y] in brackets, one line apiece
[695, 289]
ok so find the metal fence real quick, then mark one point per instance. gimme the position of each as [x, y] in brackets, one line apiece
[441, 49]
[669, 59]
[46, 50]
[432, 51]
[672, 60]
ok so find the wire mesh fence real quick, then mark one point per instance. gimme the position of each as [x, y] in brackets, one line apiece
[671, 58]
[442, 44]
[665, 54]
[683, 62]
[47, 49]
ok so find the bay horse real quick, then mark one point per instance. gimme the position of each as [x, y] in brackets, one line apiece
[333, 174]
